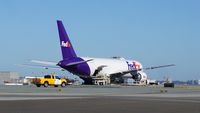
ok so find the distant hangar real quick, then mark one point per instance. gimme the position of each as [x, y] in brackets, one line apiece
[8, 76]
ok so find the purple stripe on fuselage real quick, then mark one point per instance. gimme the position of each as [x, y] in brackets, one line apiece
[78, 69]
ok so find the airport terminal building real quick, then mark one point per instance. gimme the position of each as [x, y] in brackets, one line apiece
[8, 76]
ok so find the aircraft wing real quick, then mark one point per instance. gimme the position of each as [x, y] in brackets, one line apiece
[162, 66]
[148, 68]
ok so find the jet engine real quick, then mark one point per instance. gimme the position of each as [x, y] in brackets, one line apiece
[139, 76]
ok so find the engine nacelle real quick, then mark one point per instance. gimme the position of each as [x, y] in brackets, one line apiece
[139, 76]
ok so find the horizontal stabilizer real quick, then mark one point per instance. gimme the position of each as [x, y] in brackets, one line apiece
[40, 66]
[79, 62]
[44, 62]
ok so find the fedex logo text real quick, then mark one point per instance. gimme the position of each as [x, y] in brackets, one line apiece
[133, 66]
[65, 44]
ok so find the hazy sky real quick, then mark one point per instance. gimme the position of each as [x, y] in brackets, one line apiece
[154, 32]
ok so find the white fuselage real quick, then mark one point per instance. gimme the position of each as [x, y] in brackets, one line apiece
[112, 65]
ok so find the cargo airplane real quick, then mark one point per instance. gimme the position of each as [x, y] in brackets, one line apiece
[88, 67]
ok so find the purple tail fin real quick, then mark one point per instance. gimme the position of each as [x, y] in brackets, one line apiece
[66, 46]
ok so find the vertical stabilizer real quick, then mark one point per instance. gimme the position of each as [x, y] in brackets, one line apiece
[66, 46]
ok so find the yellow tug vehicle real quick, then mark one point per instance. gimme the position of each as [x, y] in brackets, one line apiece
[50, 80]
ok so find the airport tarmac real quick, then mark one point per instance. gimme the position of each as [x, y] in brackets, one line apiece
[98, 99]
